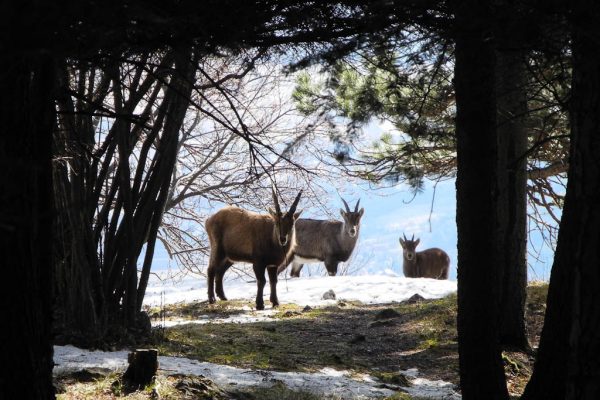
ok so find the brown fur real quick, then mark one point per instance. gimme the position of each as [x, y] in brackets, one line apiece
[238, 235]
[431, 263]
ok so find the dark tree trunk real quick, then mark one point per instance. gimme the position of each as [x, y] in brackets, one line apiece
[98, 247]
[181, 89]
[512, 185]
[79, 297]
[567, 365]
[143, 365]
[27, 115]
[481, 369]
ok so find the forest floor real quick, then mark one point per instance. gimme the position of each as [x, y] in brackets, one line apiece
[379, 340]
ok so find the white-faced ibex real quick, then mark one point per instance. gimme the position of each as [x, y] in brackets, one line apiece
[329, 241]
[265, 241]
[430, 263]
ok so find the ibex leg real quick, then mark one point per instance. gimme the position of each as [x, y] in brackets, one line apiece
[331, 266]
[219, 279]
[272, 271]
[296, 268]
[210, 278]
[259, 272]
[281, 268]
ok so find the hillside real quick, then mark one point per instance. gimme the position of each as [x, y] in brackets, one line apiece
[338, 349]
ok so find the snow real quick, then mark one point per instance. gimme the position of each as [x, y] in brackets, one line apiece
[370, 289]
[326, 382]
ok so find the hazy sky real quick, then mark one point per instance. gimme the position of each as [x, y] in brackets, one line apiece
[393, 211]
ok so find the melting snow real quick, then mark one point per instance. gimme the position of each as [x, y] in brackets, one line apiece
[327, 381]
[370, 289]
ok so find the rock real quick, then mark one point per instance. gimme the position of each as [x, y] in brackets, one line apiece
[290, 313]
[415, 298]
[329, 295]
[358, 339]
[307, 309]
[394, 378]
[382, 322]
[387, 313]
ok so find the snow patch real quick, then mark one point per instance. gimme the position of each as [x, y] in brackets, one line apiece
[369, 289]
[326, 382]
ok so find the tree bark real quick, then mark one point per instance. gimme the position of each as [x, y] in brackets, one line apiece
[481, 369]
[143, 364]
[27, 115]
[567, 364]
[512, 183]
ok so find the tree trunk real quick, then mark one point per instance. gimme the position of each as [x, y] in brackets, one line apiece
[512, 186]
[481, 369]
[181, 89]
[79, 302]
[143, 365]
[27, 115]
[98, 247]
[567, 365]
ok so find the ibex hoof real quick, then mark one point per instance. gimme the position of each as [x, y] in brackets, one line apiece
[260, 306]
[212, 300]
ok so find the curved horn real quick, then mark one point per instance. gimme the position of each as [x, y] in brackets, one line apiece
[277, 209]
[356, 208]
[345, 204]
[295, 203]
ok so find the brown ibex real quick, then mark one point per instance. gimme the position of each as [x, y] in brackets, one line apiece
[265, 241]
[430, 263]
[329, 241]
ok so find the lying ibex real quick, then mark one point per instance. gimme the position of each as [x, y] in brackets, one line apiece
[430, 263]
[328, 241]
[265, 241]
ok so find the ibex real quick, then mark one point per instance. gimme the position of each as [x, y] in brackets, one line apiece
[430, 263]
[327, 241]
[265, 241]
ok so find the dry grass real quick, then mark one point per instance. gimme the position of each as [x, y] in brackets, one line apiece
[375, 339]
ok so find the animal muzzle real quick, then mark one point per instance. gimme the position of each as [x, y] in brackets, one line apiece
[352, 232]
[283, 240]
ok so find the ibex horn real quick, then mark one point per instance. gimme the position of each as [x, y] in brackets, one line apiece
[277, 209]
[357, 203]
[405, 239]
[413, 238]
[295, 203]
[346, 204]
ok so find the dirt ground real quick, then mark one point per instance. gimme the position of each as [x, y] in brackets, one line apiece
[377, 339]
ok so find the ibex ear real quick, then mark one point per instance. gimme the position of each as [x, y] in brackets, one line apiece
[342, 213]
[361, 212]
[272, 212]
[297, 214]
[417, 242]
[401, 242]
